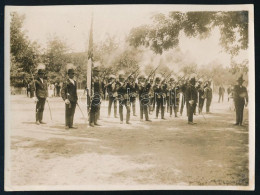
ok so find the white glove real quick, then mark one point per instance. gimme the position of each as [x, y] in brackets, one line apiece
[35, 99]
[67, 101]
[191, 102]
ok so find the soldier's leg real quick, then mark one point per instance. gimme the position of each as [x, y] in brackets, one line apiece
[163, 105]
[121, 111]
[72, 112]
[41, 109]
[115, 107]
[141, 110]
[189, 112]
[133, 106]
[146, 112]
[37, 110]
[194, 110]
[110, 101]
[67, 114]
[237, 113]
[127, 105]
[158, 104]
[241, 114]
[97, 113]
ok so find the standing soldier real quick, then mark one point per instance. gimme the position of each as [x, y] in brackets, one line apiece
[201, 97]
[240, 100]
[191, 96]
[70, 97]
[221, 93]
[174, 97]
[123, 97]
[95, 102]
[112, 95]
[41, 93]
[133, 93]
[208, 96]
[159, 98]
[183, 87]
[144, 87]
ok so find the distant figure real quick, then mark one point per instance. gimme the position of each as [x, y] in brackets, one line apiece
[240, 100]
[221, 93]
[58, 87]
[208, 96]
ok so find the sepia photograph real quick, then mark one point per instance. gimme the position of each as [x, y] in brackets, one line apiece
[129, 97]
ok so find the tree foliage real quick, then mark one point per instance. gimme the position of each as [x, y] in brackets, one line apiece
[164, 33]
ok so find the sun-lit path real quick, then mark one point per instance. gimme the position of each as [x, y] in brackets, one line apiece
[213, 152]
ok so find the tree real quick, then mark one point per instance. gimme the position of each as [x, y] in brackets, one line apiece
[24, 53]
[164, 33]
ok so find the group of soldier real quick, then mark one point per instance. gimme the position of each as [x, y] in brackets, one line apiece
[155, 92]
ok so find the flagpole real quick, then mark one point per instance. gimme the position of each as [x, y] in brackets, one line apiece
[89, 65]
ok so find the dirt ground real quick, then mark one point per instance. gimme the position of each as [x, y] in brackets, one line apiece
[162, 152]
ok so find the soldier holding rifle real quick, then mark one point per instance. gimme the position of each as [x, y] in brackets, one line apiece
[144, 87]
[112, 95]
[123, 97]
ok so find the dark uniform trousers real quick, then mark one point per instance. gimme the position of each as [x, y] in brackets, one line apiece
[239, 105]
[240, 97]
[160, 105]
[69, 113]
[133, 103]
[41, 92]
[125, 103]
[208, 103]
[182, 103]
[151, 105]
[40, 108]
[144, 106]
[95, 108]
[190, 111]
[174, 105]
[112, 100]
[201, 104]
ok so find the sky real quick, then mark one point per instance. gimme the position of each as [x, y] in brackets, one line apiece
[72, 24]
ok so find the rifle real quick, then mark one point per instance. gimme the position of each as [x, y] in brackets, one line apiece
[168, 76]
[132, 74]
[153, 72]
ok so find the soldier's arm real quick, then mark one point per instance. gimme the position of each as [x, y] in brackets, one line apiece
[63, 91]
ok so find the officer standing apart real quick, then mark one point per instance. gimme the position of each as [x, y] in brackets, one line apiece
[41, 94]
[191, 96]
[240, 100]
[69, 95]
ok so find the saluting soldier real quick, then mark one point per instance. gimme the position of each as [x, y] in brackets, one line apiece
[191, 97]
[123, 97]
[70, 97]
[133, 93]
[208, 96]
[112, 95]
[240, 100]
[144, 88]
[41, 93]
[96, 95]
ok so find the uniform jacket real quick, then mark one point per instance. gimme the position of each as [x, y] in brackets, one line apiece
[41, 90]
[69, 91]
[191, 93]
[208, 93]
[240, 94]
